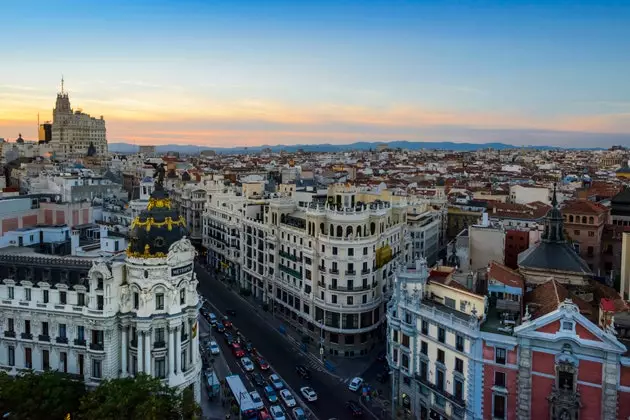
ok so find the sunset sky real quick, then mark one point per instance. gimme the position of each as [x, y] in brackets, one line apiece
[242, 73]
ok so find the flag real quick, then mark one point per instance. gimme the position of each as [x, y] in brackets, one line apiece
[194, 330]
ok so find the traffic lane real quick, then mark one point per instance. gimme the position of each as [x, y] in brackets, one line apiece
[279, 353]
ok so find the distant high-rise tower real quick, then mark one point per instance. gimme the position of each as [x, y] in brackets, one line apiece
[74, 131]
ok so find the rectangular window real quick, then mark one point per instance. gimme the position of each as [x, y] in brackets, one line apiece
[459, 343]
[11, 325]
[159, 301]
[45, 296]
[499, 356]
[45, 360]
[334, 250]
[159, 335]
[99, 302]
[424, 348]
[96, 368]
[160, 368]
[425, 327]
[404, 360]
[27, 293]
[424, 370]
[350, 300]
[333, 298]
[441, 334]
[81, 365]
[439, 381]
[136, 300]
[27, 326]
[28, 358]
[183, 361]
[498, 404]
[459, 365]
[62, 330]
[499, 379]
[405, 340]
[45, 328]
[451, 303]
[11, 292]
[81, 299]
[63, 362]
[11, 354]
[440, 356]
[350, 252]
[62, 298]
[80, 333]
[365, 251]
[458, 389]
[182, 296]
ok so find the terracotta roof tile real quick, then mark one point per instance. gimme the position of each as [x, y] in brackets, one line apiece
[584, 207]
[546, 298]
[505, 275]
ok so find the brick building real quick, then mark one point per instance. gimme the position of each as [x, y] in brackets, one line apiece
[584, 223]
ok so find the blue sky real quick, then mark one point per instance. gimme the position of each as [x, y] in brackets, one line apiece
[253, 72]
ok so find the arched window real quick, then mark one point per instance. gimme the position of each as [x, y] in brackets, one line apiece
[571, 219]
[358, 231]
[321, 228]
[372, 228]
[591, 220]
[584, 219]
[349, 231]
[339, 232]
[331, 231]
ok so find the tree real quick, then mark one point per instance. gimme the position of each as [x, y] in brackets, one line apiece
[142, 397]
[49, 395]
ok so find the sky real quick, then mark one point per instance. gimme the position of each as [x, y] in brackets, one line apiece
[244, 73]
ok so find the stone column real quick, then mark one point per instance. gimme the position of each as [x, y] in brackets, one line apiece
[147, 353]
[178, 348]
[610, 385]
[140, 357]
[171, 350]
[124, 355]
[524, 385]
[190, 341]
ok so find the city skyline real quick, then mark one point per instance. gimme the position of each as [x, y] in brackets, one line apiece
[247, 74]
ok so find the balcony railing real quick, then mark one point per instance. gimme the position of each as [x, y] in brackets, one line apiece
[334, 271]
[365, 271]
[26, 336]
[350, 272]
[159, 345]
[9, 334]
[62, 340]
[97, 346]
[292, 257]
[44, 337]
[290, 272]
[79, 342]
[458, 401]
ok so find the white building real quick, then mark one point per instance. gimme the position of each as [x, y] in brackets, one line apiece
[73, 132]
[106, 317]
[520, 194]
[425, 229]
[435, 346]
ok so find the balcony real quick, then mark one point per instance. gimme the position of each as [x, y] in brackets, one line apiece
[79, 342]
[333, 271]
[62, 340]
[134, 343]
[350, 272]
[9, 334]
[290, 272]
[365, 271]
[322, 285]
[44, 337]
[159, 345]
[97, 346]
[26, 336]
[292, 257]
[455, 400]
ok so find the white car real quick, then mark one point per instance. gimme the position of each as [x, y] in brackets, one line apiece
[275, 381]
[355, 384]
[258, 402]
[309, 393]
[214, 348]
[287, 397]
[277, 413]
[247, 363]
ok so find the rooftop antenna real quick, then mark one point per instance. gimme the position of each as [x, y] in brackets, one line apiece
[62, 84]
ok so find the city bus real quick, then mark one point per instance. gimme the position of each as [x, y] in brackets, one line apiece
[241, 396]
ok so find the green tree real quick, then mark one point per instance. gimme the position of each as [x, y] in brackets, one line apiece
[140, 398]
[50, 395]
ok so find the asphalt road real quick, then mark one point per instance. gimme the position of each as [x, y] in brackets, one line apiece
[279, 353]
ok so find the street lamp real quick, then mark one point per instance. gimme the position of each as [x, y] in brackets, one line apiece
[321, 340]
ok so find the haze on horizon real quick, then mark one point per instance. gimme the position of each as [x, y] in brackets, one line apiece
[245, 73]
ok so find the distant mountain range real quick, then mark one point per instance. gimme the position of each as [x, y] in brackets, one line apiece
[458, 147]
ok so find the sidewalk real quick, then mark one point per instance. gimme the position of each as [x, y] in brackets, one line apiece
[338, 367]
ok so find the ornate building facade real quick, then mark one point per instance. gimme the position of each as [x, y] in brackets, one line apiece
[107, 318]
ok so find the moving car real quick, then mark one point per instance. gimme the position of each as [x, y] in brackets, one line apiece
[271, 394]
[247, 363]
[237, 351]
[220, 327]
[355, 384]
[258, 379]
[258, 402]
[276, 382]
[264, 415]
[214, 348]
[277, 413]
[298, 413]
[262, 363]
[355, 408]
[249, 347]
[303, 371]
[212, 319]
[287, 398]
[226, 322]
[228, 339]
[309, 393]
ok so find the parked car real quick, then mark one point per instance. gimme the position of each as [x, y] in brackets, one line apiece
[303, 371]
[277, 413]
[270, 393]
[226, 322]
[309, 393]
[258, 402]
[212, 318]
[219, 327]
[276, 382]
[298, 413]
[237, 351]
[287, 398]
[355, 384]
[249, 347]
[247, 363]
[258, 379]
[355, 408]
[214, 348]
[262, 363]
[228, 339]
[264, 415]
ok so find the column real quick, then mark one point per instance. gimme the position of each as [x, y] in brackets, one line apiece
[171, 350]
[147, 353]
[190, 341]
[178, 347]
[139, 357]
[124, 354]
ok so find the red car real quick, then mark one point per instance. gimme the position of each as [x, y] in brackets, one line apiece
[262, 364]
[237, 350]
[264, 415]
[226, 322]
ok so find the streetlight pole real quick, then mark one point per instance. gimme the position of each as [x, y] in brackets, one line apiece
[321, 340]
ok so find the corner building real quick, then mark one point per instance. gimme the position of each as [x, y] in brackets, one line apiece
[107, 318]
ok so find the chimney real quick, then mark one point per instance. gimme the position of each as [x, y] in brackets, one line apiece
[74, 242]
